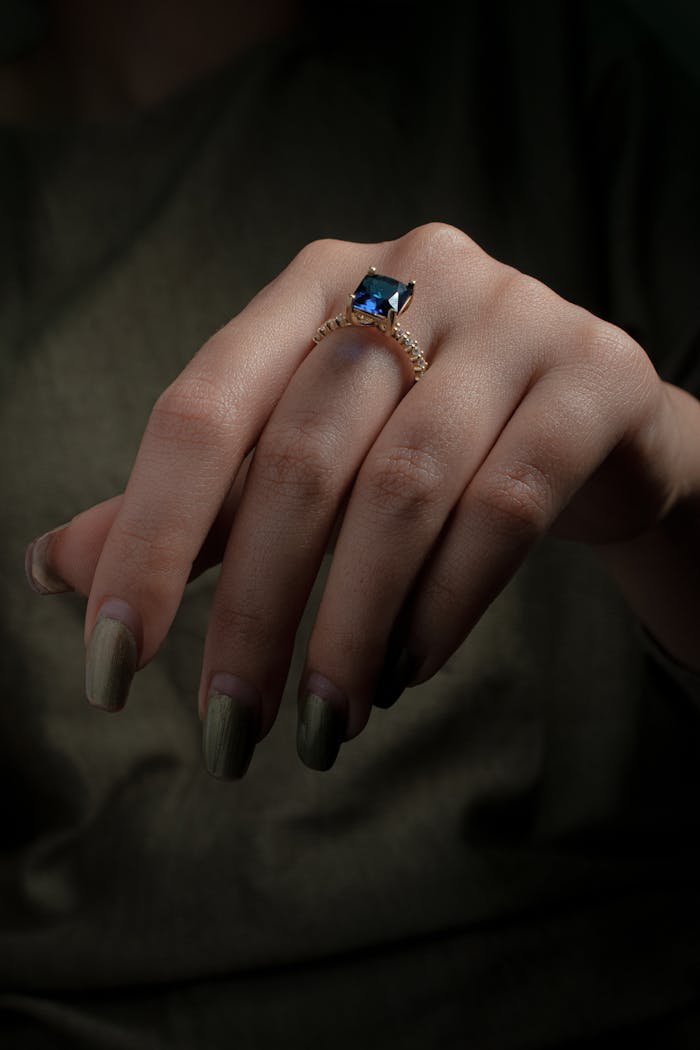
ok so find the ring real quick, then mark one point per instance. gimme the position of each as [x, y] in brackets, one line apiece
[378, 301]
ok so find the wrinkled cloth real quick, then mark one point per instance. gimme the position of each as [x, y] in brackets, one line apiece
[509, 857]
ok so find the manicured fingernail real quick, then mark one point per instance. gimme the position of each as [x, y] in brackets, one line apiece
[397, 672]
[323, 717]
[112, 655]
[40, 577]
[231, 726]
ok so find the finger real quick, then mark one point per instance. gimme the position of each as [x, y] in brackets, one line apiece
[305, 460]
[65, 559]
[408, 484]
[198, 433]
[557, 438]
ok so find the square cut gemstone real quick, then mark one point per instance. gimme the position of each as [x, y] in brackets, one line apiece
[377, 295]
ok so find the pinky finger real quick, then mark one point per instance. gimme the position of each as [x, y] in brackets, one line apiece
[546, 452]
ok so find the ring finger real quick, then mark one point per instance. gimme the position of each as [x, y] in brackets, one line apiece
[306, 458]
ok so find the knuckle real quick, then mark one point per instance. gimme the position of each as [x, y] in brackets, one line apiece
[519, 299]
[606, 343]
[298, 458]
[143, 551]
[615, 348]
[620, 366]
[444, 249]
[439, 237]
[403, 482]
[249, 626]
[515, 499]
[313, 268]
[525, 292]
[443, 594]
[192, 413]
[313, 255]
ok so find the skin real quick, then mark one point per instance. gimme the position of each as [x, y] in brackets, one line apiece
[534, 416]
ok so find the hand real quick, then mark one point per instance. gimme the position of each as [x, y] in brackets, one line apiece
[534, 416]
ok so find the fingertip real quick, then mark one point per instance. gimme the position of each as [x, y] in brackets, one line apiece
[231, 726]
[322, 722]
[399, 670]
[40, 576]
[112, 655]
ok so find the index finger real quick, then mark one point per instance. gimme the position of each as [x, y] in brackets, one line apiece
[199, 431]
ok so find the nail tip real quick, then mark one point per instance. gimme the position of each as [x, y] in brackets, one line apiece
[229, 736]
[320, 732]
[57, 586]
[312, 759]
[318, 767]
[217, 774]
[226, 774]
[109, 708]
[28, 567]
[35, 565]
[110, 666]
[394, 679]
[385, 702]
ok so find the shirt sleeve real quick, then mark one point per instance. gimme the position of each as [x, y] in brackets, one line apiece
[644, 132]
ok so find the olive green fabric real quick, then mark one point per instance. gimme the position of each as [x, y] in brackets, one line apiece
[508, 857]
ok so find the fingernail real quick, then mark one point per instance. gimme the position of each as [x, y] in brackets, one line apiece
[397, 672]
[231, 726]
[112, 655]
[40, 577]
[323, 716]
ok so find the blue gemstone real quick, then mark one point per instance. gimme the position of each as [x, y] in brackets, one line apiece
[377, 295]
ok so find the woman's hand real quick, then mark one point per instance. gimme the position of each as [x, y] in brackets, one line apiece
[533, 416]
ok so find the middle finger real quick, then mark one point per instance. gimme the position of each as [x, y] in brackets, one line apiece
[312, 446]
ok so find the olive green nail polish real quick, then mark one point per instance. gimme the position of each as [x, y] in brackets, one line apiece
[111, 660]
[322, 723]
[231, 728]
[40, 576]
[394, 678]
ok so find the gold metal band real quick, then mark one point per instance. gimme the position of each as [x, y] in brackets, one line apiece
[404, 339]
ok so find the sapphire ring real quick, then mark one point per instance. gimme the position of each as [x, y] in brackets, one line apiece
[378, 301]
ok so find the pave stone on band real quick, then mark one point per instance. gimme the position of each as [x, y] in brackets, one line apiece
[378, 301]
